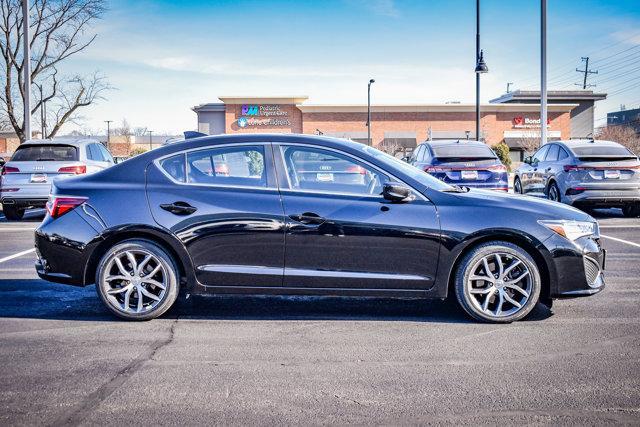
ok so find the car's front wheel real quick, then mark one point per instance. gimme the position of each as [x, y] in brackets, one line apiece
[517, 186]
[13, 213]
[497, 282]
[137, 280]
[553, 192]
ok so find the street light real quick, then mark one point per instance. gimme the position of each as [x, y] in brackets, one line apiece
[108, 122]
[481, 68]
[150, 144]
[369, 111]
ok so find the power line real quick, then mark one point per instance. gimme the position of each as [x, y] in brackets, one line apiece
[625, 73]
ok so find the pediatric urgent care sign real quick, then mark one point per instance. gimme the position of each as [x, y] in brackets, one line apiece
[522, 122]
[263, 115]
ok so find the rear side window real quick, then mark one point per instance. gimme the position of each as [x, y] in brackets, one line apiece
[175, 167]
[45, 153]
[106, 156]
[238, 166]
[562, 154]
[552, 154]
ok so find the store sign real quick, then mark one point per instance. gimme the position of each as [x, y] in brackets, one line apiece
[263, 115]
[521, 122]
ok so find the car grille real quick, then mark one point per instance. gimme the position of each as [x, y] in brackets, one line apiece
[592, 271]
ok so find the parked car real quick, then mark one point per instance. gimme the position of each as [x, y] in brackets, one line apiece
[26, 178]
[465, 163]
[583, 173]
[276, 223]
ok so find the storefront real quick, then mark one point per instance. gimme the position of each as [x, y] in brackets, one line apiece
[394, 128]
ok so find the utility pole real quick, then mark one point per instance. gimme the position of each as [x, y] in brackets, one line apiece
[481, 68]
[108, 122]
[508, 86]
[43, 126]
[543, 72]
[150, 144]
[586, 72]
[27, 70]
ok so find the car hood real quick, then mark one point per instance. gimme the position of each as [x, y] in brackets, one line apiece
[542, 208]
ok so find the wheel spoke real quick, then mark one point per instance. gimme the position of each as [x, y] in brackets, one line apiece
[499, 304]
[499, 264]
[485, 305]
[512, 301]
[139, 308]
[116, 277]
[127, 297]
[132, 260]
[487, 270]
[520, 277]
[485, 278]
[143, 264]
[511, 267]
[481, 290]
[153, 272]
[118, 290]
[121, 267]
[148, 294]
[518, 289]
[154, 283]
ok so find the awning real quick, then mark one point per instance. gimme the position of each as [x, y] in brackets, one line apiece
[527, 139]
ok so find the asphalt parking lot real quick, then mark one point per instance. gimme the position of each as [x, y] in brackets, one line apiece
[65, 360]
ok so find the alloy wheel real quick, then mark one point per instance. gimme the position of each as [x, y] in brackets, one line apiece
[553, 193]
[517, 187]
[500, 285]
[135, 281]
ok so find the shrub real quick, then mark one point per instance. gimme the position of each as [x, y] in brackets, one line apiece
[136, 151]
[502, 151]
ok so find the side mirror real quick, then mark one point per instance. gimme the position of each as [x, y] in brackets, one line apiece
[527, 160]
[2, 161]
[397, 193]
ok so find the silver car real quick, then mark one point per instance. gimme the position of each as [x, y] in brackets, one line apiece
[26, 178]
[583, 173]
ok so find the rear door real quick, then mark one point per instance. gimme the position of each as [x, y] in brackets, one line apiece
[222, 202]
[532, 181]
[549, 165]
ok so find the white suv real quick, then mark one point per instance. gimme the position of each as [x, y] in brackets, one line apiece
[26, 178]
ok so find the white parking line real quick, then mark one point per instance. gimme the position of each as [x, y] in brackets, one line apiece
[16, 229]
[18, 255]
[620, 226]
[617, 240]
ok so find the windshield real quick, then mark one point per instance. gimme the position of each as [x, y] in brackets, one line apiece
[415, 173]
[45, 153]
[462, 151]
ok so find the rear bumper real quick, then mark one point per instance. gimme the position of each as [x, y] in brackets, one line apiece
[604, 195]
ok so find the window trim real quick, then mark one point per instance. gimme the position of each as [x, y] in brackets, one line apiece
[157, 162]
[392, 178]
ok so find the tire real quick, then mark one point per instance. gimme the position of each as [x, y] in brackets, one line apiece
[480, 299]
[13, 213]
[159, 270]
[631, 211]
[517, 186]
[553, 193]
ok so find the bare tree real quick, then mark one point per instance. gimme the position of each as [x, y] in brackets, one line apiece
[59, 30]
[529, 141]
[625, 135]
[124, 131]
[139, 131]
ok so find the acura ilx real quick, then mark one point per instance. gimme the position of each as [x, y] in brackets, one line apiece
[308, 215]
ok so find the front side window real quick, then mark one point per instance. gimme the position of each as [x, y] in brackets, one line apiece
[235, 166]
[321, 170]
[540, 155]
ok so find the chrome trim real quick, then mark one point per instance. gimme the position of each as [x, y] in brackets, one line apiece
[300, 272]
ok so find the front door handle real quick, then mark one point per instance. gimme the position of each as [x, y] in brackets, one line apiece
[179, 208]
[307, 218]
[547, 169]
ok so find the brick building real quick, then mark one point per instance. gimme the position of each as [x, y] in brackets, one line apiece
[394, 127]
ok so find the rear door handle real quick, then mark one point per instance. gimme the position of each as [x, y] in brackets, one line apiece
[307, 218]
[179, 208]
[548, 169]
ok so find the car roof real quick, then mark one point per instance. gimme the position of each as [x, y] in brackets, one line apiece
[62, 141]
[445, 142]
[588, 142]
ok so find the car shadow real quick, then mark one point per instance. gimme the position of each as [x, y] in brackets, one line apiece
[37, 299]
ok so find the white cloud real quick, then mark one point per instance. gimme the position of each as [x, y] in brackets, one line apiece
[379, 7]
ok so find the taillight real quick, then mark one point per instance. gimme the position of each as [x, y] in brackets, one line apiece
[77, 170]
[222, 169]
[498, 168]
[58, 206]
[571, 168]
[357, 169]
[9, 169]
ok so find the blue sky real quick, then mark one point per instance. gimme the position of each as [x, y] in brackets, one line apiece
[163, 57]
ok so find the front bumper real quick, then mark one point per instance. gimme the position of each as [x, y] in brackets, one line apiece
[578, 267]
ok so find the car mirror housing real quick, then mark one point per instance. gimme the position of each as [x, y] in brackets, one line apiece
[397, 193]
[527, 160]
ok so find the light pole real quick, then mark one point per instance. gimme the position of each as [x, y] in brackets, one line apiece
[26, 70]
[369, 111]
[481, 68]
[543, 72]
[108, 122]
[150, 145]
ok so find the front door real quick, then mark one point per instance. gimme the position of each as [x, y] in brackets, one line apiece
[222, 202]
[341, 233]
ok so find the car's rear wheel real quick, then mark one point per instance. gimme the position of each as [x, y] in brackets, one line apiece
[13, 213]
[517, 186]
[553, 192]
[497, 282]
[137, 280]
[631, 211]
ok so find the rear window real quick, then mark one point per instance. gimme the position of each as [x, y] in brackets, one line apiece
[463, 151]
[45, 153]
[602, 151]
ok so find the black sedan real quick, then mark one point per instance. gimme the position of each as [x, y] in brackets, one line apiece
[297, 214]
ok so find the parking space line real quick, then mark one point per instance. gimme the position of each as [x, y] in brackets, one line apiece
[621, 241]
[18, 255]
[620, 226]
[17, 229]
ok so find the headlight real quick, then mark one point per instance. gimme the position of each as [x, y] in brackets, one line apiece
[572, 230]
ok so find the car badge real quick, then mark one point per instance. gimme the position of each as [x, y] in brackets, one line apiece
[38, 168]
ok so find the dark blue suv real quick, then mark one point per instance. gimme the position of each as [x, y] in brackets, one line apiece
[461, 162]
